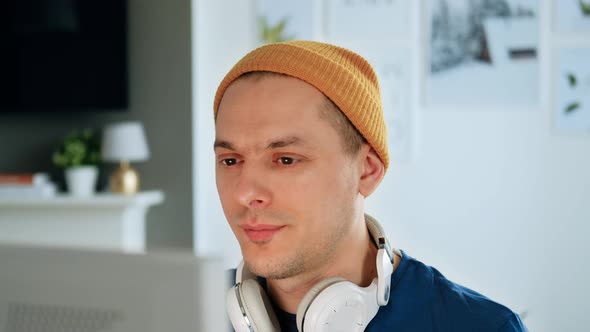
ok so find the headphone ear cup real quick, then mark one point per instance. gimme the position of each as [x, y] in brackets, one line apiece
[257, 306]
[310, 296]
[234, 310]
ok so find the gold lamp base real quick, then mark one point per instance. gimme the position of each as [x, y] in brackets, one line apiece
[125, 180]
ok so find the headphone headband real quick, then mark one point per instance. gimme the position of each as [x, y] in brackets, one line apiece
[378, 235]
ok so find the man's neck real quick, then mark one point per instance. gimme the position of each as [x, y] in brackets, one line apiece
[353, 260]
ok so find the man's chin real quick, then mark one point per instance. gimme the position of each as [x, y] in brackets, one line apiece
[262, 266]
[257, 269]
[260, 250]
[272, 268]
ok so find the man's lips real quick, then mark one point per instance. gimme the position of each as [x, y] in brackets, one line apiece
[259, 233]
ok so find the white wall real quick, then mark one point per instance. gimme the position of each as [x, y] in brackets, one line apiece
[160, 97]
[493, 198]
[223, 32]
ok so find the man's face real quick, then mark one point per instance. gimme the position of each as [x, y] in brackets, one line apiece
[286, 185]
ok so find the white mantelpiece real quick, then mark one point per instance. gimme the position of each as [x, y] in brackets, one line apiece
[103, 221]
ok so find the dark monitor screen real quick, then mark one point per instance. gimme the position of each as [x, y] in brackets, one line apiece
[63, 55]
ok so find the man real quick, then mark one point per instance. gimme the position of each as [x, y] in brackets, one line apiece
[300, 143]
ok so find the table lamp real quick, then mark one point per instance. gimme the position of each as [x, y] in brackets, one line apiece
[124, 142]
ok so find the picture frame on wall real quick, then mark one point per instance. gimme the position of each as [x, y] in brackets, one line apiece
[382, 33]
[393, 68]
[571, 82]
[482, 52]
[369, 21]
[572, 16]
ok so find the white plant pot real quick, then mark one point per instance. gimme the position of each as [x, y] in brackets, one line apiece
[81, 180]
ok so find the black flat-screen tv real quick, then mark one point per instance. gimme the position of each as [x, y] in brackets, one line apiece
[63, 55]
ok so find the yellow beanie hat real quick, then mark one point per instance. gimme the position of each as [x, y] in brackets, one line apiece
[342, 75]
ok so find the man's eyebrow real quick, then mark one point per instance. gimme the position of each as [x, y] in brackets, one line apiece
[276, 144]
[287, 141]
[223, 144]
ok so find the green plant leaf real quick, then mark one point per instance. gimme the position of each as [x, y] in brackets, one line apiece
[572, 107]
[584, 7]
[273, 33]
[571, 79]
[78, 148]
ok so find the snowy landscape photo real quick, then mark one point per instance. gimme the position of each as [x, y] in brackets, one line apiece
[483, 52]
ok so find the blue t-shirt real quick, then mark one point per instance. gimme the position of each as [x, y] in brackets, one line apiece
[422, 299]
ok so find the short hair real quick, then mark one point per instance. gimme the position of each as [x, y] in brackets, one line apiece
[351, 138]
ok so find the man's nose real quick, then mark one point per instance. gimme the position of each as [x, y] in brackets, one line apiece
[252, 188]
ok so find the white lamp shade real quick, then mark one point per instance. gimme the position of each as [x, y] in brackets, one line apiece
[124, 141]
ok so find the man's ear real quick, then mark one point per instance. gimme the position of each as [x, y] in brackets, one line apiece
[372, 171]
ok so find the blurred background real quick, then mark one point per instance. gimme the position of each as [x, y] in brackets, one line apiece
[487, 104]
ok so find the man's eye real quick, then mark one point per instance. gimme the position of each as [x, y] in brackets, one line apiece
[229, 161]
[286, 160]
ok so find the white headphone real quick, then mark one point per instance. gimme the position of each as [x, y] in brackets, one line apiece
[334, 304]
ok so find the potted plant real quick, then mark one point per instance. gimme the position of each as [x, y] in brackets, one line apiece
[79, 155]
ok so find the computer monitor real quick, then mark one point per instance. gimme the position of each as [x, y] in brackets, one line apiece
[43, 289]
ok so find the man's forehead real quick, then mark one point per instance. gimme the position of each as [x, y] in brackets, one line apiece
[252, 81]
[283, 111]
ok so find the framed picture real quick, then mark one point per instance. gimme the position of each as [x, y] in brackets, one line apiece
[393, 68]
[376, 21]
[482, 52]
[572, 15]
[383, 34]
[572, 90]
